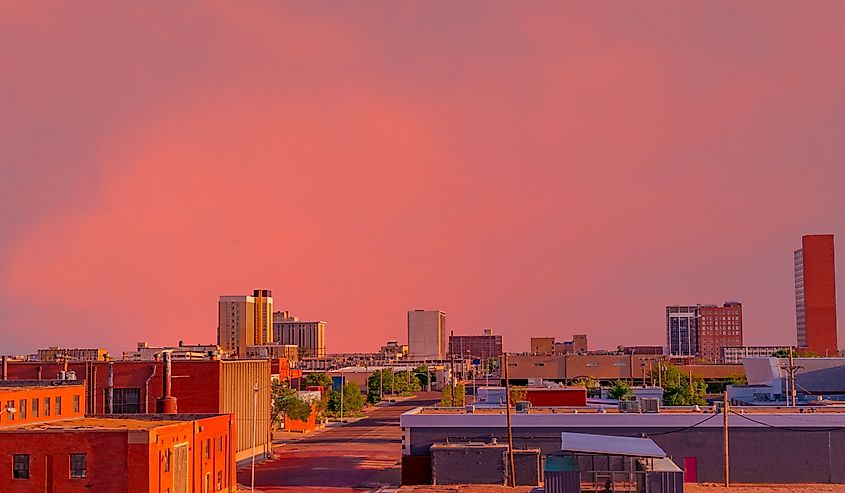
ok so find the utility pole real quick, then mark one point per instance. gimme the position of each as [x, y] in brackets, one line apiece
[512, 474]
[452, 361]
[792, 369]
[726, 411]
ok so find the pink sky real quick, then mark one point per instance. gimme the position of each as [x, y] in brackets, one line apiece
[564, 168]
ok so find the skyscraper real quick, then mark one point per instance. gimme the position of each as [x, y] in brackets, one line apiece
[244, 321]
[682, 330]
[427, 334]
[815, 295]
[309, 337]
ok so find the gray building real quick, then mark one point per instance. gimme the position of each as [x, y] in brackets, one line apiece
[427, 334]
[682, 330]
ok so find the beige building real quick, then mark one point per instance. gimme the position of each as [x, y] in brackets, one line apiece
[427, 334]
[145, 352]
[244, 321]
[542, 345]
[72, 354]
[288, 351]
[309, 337]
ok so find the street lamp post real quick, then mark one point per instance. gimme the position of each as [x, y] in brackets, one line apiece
[255, 390]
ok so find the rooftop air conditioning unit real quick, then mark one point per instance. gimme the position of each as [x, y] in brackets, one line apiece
[650, 404]
[629, 406]
[523, 406]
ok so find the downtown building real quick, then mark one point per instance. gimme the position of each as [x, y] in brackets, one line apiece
[484, 346]
[244, 321]
[427, 334]
[703, 330]
[308, 337]
[815, 295]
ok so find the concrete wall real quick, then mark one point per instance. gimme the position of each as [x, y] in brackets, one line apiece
[451, 464]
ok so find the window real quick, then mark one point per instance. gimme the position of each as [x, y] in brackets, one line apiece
[35, 408]
[208, 448]
[22, 408]
[166, 460]
[46, 406]
[76, 403]
[58, 406]
[11, 405]
[219, 480]
[127, 401]
[220, 444]
[20, 467]
[78, 465]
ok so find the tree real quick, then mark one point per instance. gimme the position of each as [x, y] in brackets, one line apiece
[518, 394]
[288, 404]
[587, 382]
[421, 372]
[353, 400]
[805, 353]
[318, 379]
[679, 390]
[620, 390]
[460, 393]
[378, 384]
[446, 398]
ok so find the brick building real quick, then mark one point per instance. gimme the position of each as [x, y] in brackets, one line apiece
[200, 387]
[38, 402]
[718, 327]
[482, 346]
[133, 454]
[815, 295]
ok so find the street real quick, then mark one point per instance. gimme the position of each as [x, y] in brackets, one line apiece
[360, 456]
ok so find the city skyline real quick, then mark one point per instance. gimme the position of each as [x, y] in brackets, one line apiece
[483, 162]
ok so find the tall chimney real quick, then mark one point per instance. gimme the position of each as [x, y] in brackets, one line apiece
[110, 390]
[167, 403]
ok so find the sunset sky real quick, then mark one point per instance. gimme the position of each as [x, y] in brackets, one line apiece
[537, 168]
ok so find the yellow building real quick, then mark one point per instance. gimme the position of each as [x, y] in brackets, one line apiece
[244, 321]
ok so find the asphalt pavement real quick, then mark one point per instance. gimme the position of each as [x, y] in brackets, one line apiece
[356, 457]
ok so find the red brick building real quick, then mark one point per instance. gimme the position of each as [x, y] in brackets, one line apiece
[815, 295]
[38, 402]
[482, 346]
[718, 327]
[133, 454]
[200, 387]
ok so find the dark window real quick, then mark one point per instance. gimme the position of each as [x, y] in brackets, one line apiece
[22, 408]
[35, 408]
[76, 403]
[20, 468]
[46, 406]
[208, 448]
[58, 406]
[220, 444]
[166, 460]
[11, 405]
[127, 401]
[78, 465]
[219, 480]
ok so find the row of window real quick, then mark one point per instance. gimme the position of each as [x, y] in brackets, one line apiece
[78, 466]
[37, 409]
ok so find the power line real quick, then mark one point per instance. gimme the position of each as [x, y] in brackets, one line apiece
[787, 428]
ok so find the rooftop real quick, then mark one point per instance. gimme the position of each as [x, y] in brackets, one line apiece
[131, 422]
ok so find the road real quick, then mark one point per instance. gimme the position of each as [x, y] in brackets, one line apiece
[357, 457]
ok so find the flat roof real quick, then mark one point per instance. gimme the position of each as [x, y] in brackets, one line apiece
[106, 423]
[589, 443]
[21, 385]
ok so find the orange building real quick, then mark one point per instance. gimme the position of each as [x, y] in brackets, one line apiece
[37, 402]
[815, 295]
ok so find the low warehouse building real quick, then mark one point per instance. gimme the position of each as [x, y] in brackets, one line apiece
[759, 438]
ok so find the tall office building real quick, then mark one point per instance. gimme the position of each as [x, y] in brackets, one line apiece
[484, 346]
[427, 334]
[815, 295]
[244, 321]
[308, 337]
[682, 330]
[718, 327]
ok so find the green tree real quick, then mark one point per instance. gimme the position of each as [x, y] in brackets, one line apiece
[317, 379]
[421, 372]
[805, 353]
[620, 390]
[353, 400]
[589, 383]
[379, 383]
[518, 394]
[460, 394]
[680, 390]
[446, 398]
[288, 404]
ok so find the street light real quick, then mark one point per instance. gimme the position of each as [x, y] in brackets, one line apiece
[255, 390]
